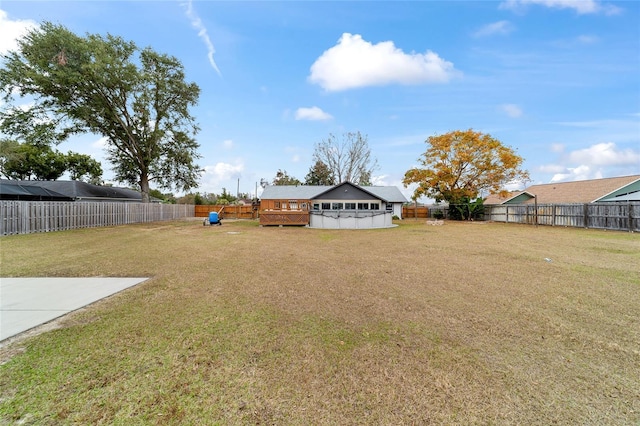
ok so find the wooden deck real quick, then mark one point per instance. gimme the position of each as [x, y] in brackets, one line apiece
[284, 218]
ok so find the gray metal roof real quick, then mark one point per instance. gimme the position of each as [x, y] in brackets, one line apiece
[308, 192]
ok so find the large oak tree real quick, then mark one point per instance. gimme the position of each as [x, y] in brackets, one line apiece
[458, 165]
[137, 98]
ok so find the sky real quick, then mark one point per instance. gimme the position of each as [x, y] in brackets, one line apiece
[556, 80]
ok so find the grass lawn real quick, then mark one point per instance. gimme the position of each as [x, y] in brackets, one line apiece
[465, 323]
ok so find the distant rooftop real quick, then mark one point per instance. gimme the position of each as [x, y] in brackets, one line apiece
[583, 191]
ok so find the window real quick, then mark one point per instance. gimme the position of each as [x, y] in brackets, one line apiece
[349, 206]
[363, 206]
[375, 206]
[293, 205]
[326, 206]
[276, 204]
[336, 206]
[389, 207]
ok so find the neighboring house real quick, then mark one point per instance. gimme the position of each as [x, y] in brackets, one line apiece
[617, 189]
[345, 205]
[64, 190]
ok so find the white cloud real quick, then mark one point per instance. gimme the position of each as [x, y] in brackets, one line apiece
[354, 62]
[516, 185]
[314, 114]
[512, 110]
[552, 168]
[380, 180]
[12, 30]
[604, 154]
[223, 171]
[582, 172]
[579, 6]
[593, 162]
[196, 23]
[499, 28]
[100, 143]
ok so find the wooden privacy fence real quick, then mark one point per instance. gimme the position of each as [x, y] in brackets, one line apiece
[419, 212]
[26, 217]
[228, 211]
[614, 216]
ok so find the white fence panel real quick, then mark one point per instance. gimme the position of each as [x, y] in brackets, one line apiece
[26, 217]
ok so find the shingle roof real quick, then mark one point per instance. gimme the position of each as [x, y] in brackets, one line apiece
[309, 192]
[584, 191]
[497, 199]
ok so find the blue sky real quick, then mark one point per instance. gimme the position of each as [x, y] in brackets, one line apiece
[557, 80]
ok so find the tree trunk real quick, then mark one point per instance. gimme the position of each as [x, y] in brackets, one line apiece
[144, 187]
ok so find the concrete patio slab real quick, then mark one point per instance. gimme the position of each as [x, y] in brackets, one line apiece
[26, 303]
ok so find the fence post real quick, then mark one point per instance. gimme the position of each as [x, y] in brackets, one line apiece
[586, 215]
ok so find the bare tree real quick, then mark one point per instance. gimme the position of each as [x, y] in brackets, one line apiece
[348, 159]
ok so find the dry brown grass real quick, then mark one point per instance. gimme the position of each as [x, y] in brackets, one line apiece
[458, 324]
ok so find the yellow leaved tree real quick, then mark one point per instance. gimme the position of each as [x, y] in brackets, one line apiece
[459, 165]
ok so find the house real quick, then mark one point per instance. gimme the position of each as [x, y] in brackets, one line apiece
[64, 190]
[617, 189]
[343, 206]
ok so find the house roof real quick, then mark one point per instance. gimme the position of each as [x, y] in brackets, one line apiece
[499, 199]
[308, 192]
[584, 191]
[632, 196]
[77, 190]
[11, 190]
